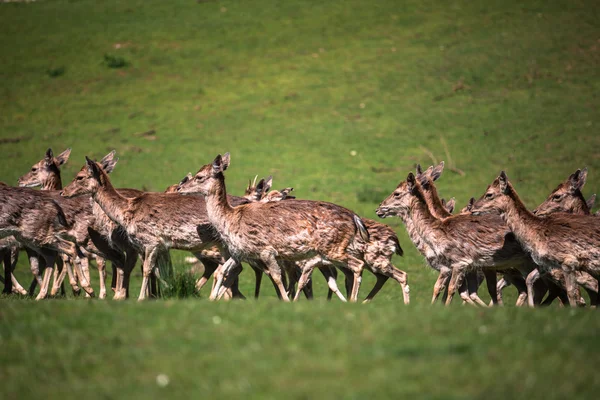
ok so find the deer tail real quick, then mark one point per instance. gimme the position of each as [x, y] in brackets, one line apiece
[399, 250]
[362, 229]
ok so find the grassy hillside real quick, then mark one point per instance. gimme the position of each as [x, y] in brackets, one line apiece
[340, 100]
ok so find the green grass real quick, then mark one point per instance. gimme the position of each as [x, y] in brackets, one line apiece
[293, 89]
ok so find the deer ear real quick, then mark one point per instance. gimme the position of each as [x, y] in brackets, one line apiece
[93, 168]
[217, 165]
[49, 158]
[503, 181]
[590, 202]
[437, 171]
[226, 158]
[411, 181]
[109, 161]
[577, 180]
[268, 183]
[260, 187]
[63, 157]
[419, 170]
[450, 205]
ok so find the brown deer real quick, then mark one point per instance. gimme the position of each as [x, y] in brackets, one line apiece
[464, 242]
[9, 255]
[154, 222]
[437, 209]
[377, 253]
[567, 198]
[46, 174]
[569, 242]
[38, 222]
[295, 229]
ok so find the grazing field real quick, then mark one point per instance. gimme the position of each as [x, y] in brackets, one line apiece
[340, 100]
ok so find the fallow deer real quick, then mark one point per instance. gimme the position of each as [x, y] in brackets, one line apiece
[296, 229]
[569, 242]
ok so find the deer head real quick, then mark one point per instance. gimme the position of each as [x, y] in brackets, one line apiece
[206, 178]
[495, 199]
[91, 177]
[399, 201]
[467, 209]
[44, 170]
[449, 205]
[567, 197]
[173, 188]
[256, 192]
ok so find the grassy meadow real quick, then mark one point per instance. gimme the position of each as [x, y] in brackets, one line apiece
[340, 100]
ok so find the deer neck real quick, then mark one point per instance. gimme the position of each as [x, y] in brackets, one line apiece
[435, 203]
[426, 224]
[217, 207]
[52, 183]
[519, 219]
[111, 202]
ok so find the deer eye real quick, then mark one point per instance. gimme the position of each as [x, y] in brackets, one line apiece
[489, 195]
[33, 169]
[556, 197]
[80, 178]
[396, 194]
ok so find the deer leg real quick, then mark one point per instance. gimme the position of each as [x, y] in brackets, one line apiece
[381, 280]
[131, 256]
[101, 262]
[440, 283]
[221, 273]
[330, 291]
[572, 288]
[49, 259]
[14, 258]
[59, 276]
[275, 272]
[402, 278]
[531, 278]
[330, 274]
[308, 289]
[490, 281]
[150, 257]
[210, 267]
[80, 262]
[502, 283]
[8, 283]
[258, 276]
[229, 281]
[458, 275]
[34, 265]
[472, 286]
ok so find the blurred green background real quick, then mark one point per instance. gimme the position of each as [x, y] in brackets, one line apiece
[340, 100]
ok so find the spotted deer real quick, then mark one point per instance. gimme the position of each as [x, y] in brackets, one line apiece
[569, 242]
[154, 222]
[296, 229]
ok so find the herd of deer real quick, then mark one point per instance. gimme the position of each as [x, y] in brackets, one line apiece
[551, 251]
